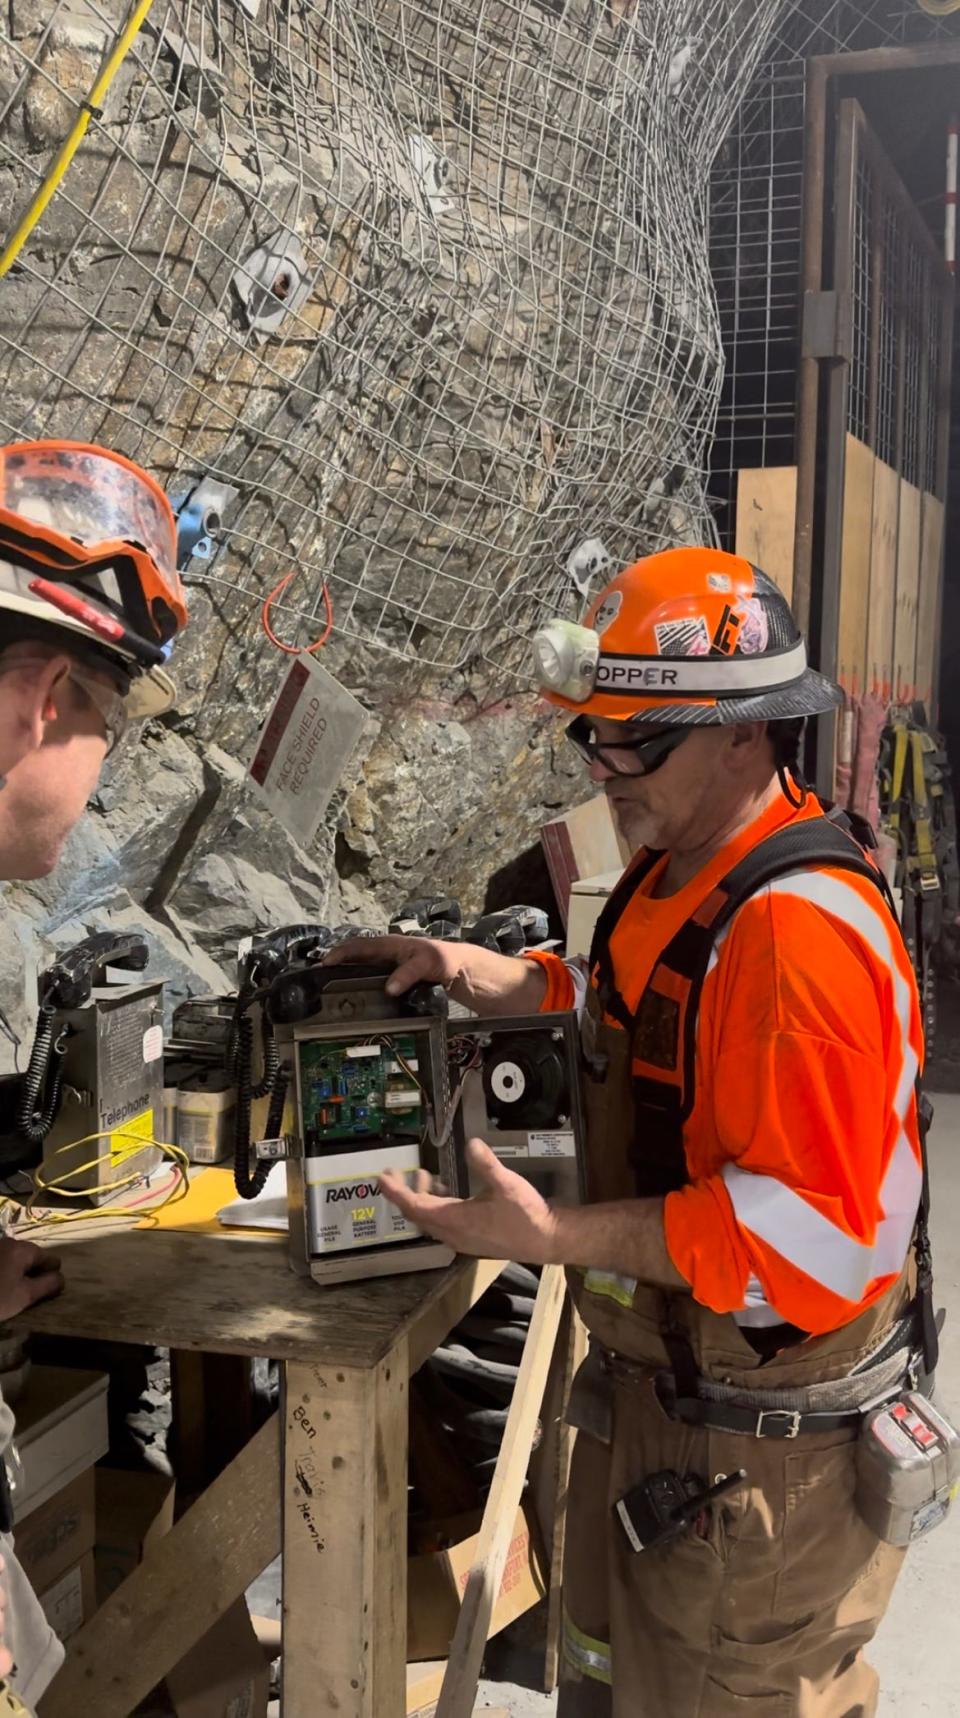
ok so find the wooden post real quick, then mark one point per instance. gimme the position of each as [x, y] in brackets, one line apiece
[483, 1582]
[344, 1539]
[550, 1475]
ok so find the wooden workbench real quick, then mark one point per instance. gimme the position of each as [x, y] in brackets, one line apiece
[328, 1485]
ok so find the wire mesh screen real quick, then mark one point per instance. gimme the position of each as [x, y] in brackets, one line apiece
[424, 281]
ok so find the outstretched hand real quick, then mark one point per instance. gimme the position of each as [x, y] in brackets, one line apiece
[28, 1274]
[505, 1219]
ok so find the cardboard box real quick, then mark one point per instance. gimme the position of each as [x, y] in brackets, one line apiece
[71, 1601]
[587, 901]
[226, 1674]
[436, 1583]
[134, 1510]
[61, 1431]
[584, 842]
[54, 1537]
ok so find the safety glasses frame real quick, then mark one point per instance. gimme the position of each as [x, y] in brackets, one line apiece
[645, 755]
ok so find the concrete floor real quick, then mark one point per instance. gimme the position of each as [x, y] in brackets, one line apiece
[917, 1651]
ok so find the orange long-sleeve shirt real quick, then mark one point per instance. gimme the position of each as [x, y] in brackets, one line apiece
[802, 1147]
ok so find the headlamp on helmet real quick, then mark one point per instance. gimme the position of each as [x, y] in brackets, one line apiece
[566, 656]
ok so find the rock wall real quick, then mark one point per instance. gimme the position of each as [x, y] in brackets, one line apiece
[426, 288]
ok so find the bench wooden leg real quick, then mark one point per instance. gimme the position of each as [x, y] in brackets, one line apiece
[345, 1539]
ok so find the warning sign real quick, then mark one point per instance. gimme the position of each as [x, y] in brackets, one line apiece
[127, 1140]
[304, 744]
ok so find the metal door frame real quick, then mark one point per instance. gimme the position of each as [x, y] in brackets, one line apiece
[826, 333]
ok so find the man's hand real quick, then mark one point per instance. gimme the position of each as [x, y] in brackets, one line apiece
[28, 1273]
[506, 1219]
[479, 978]
[418, 960]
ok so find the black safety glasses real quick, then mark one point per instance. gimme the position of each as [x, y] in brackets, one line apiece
[624, 757]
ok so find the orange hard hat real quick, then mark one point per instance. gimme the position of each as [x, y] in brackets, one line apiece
[88, 542]
[684, 636]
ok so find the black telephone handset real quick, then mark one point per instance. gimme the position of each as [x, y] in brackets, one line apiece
[271, 952]
[72, 978]
[341, 991]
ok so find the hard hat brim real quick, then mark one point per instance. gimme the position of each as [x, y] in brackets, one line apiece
[150, 694]
[812, 694]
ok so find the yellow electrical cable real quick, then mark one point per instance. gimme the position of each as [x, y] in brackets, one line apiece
[75, 137]
[54, 1184]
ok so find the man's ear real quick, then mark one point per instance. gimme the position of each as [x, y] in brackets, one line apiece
[747, 738]
[36, 686]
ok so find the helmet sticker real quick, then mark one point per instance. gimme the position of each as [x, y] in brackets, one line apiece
[683, 637]
[755, 629]
[607, 612]
[718, 581]
[742, 628]
[727, 636]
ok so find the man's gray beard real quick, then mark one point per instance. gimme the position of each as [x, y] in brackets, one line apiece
[638, 828]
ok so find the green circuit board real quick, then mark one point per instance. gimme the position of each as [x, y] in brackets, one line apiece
[360, 1091]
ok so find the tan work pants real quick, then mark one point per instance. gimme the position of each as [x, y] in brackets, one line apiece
[765, 1617]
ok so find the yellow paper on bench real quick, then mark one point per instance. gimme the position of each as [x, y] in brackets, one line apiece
[197, 1213]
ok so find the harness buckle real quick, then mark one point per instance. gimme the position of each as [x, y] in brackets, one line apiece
[791, 1415]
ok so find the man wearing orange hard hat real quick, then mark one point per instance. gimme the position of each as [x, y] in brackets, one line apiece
[90, 602]
[752, 1262]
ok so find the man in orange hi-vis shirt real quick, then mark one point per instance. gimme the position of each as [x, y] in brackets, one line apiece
[755, 1177]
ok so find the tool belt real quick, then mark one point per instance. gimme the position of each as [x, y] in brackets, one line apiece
[834, 1406]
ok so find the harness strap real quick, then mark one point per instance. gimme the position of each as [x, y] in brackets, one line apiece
[601, 959]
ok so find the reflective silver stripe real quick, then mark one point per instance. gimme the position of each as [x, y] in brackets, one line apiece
[783, 1218]
[703, 676]
[756, 1312]
[577, 969]
[609, 1284]
[586, 1654]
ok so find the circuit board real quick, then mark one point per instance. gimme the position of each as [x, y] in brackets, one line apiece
[360, 1091]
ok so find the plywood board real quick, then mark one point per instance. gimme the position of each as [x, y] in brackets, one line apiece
[928, 610]
[908, 584]
[766, 521]
[883, 578]
[855, 554]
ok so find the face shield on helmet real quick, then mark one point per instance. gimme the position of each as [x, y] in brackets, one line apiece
[686, 637]
[88, 543]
